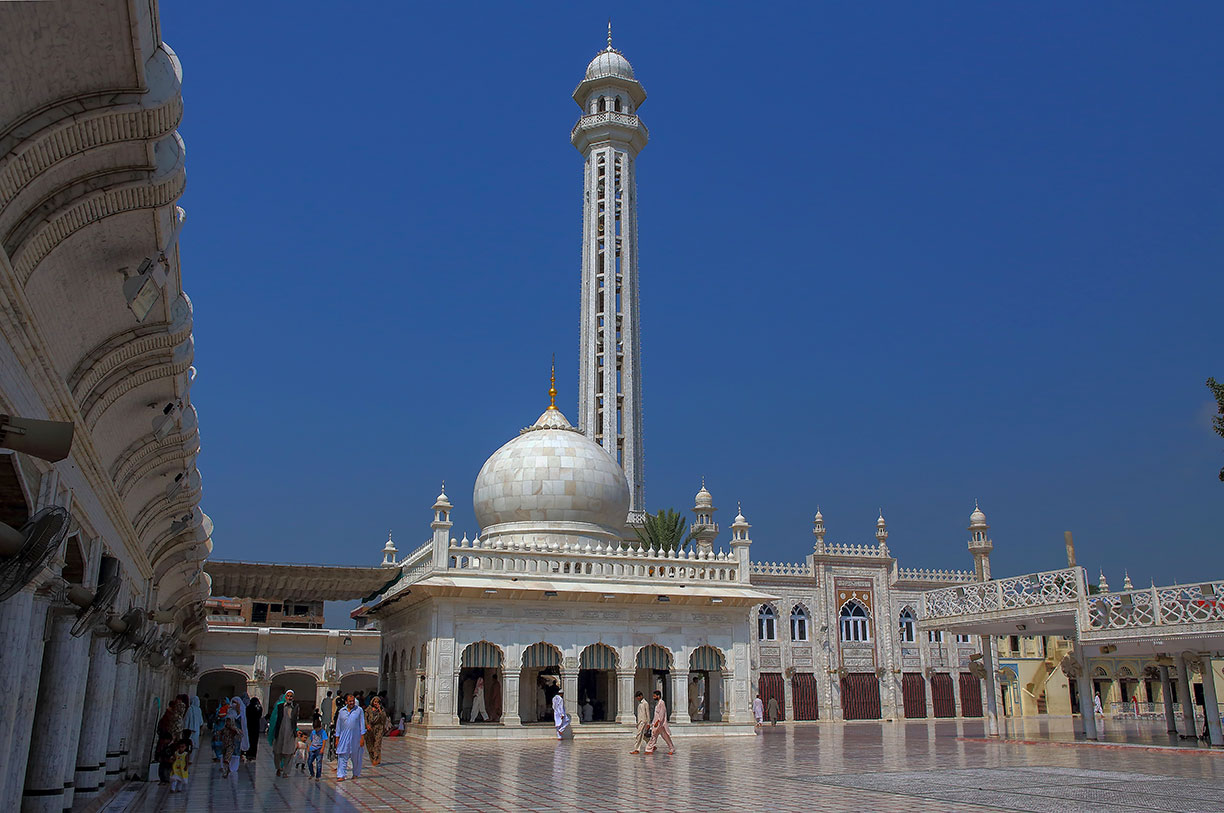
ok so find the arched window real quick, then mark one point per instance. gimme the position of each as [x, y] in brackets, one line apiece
[767, 624]
[603, 103]
[854, 622]
[799, 623]
[617, 105]
[907, 626]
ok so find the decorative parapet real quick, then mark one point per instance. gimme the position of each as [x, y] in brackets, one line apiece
[857, 551]
[598, 561]
[780, 569]
[1156, 606]
[1053, 589]
[609, 117]
[922, 574]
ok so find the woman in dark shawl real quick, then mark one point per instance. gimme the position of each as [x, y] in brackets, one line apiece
[254, 713]
[168, 734]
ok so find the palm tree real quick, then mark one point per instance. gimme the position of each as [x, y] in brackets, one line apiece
[664, 531]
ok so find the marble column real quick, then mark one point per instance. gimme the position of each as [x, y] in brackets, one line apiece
[956, 698]
[14, 766]
[787, 711]
[569, 680]
[625, 707]
[510, 699]
[122, 711]
[418, 702]
[90, 773]
[989, 650]
[53, 741]
[730, 713]
[17, 635]
[679, 711]
[1210, 707]
[1166, 695]
[1186, 697]
[1087, 713]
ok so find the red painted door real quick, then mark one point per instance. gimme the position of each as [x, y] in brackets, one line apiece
[803, 692]
[860, 696]
[943, 697]
[913, 692]
[971, 695]
[770, 685]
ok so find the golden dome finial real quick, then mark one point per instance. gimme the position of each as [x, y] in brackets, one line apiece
[552, 384]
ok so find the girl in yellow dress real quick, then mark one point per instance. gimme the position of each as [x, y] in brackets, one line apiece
[178, 776]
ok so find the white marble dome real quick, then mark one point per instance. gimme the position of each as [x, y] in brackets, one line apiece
[704, 498]
[977, 517]
[609, 63]
[551, 478]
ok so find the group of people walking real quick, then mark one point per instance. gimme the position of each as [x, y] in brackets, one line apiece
[651, 725]
[236, 726]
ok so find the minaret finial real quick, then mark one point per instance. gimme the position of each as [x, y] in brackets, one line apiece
[552, 384]
[609, 33]
[703, 481]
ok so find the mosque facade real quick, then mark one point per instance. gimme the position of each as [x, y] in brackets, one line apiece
[559, 593]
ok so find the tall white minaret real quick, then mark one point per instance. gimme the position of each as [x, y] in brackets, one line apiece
[609, 135]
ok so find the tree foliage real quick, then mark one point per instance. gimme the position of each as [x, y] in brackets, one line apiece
[664, 530]
[1217, 423]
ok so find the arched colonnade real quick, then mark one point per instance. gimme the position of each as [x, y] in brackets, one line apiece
[515, 684]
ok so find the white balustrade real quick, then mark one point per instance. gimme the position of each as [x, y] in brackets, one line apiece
[620, 561]
[922, 574]
[609, 117]
[869, 551]
[781, 568]
[1037, 590]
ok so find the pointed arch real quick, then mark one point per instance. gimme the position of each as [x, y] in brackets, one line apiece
[767, 623]
[907, 625]
[482, 654]
[855, 621]
[800, 622]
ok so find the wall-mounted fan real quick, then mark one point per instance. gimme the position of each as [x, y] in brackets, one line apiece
[126, 631]
[103, 599]
[147, 643]
[24, 553]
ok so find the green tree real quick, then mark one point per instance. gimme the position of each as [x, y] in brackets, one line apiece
[664, 531]
[1217, 423]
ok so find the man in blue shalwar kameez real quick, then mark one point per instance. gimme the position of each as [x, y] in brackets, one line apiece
[350, 737]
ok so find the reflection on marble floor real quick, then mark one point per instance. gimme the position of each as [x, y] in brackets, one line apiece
[912, 766]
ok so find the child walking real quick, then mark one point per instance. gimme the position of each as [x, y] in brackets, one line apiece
[178, 775]
[299, 753]
[318, 739]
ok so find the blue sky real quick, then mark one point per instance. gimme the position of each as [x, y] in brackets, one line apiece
[892, 255]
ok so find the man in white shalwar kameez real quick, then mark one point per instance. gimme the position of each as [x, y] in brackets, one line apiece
[350, 738]
[561, 717]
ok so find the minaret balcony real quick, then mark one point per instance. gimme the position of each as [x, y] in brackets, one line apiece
[609, 126]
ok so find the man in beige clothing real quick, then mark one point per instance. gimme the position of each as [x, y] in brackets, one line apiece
[643, 722]
[659, 726]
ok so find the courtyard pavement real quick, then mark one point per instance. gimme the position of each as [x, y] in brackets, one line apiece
[904, 766]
